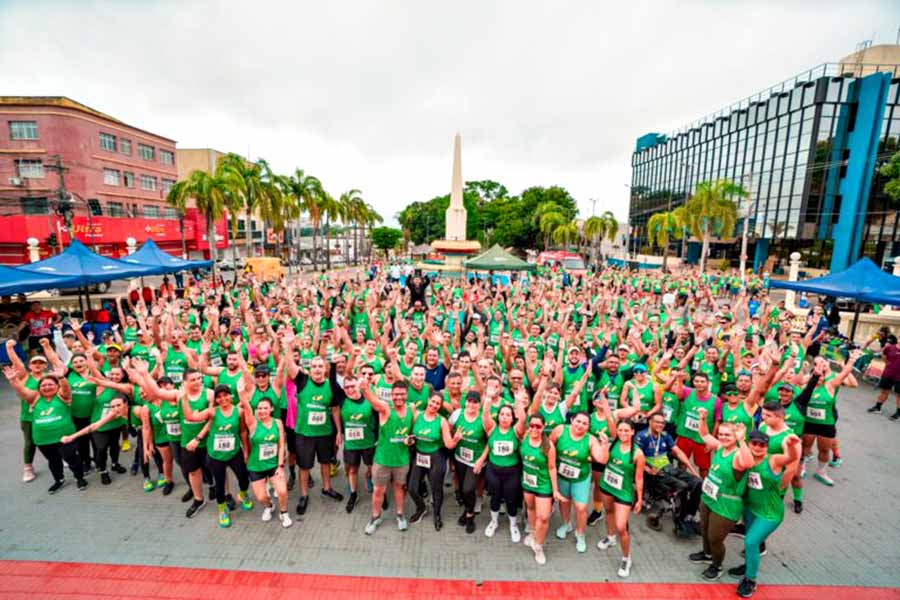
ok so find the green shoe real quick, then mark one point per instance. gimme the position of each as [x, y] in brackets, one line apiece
[224, 518]
[246, 502]
[148, 485]
[161, 481]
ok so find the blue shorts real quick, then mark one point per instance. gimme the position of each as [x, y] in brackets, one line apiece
[577, 491]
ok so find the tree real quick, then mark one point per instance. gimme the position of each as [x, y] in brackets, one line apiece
[566, 233]
[891, 170]
[385, 238]
[254, 186]
[351, 203]
[331, 210]
[662, 227]
[594, 230]
[305, 190]
[713, 211]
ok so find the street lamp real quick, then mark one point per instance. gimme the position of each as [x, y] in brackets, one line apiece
[687, 190]
[746, 212]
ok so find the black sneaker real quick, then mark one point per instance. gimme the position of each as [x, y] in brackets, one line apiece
[302, 505]
[798, 506]
[193, 508]
[105, 479]
[230, 503]
[188, 495]
[57, 485]
[470, 525]
[700, 557]
[875, 409]
[461, 521]
[333, 494]
[738, 531]
[594, 518]
[738, 572]
[762, 549]
[894, 417]
[168, 487]
[746, 588]
[351, 502]
[117, 468]
[418, 515]
[438, 523]
[712, 573]
[134, 469]
[211, 493]
[82, 485]
[292, 480]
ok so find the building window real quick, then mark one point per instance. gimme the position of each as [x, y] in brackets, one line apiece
[125, 146]
[151, 211]
[166, 157]
[23, 130]
[145, 152]
[33, 169]
[148, 182]
[170, 213]
[167, 185]
[35, 206]
[115, 209]
[108, 141]
[110, 177]
[128, 178]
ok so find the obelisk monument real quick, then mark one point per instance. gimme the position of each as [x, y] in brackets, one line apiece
[455, 247]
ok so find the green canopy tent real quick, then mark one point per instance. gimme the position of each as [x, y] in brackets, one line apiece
[496, 258]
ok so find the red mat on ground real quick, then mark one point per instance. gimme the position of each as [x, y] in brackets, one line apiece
[27, 579]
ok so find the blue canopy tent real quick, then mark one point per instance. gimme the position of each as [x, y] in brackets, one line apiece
[86, 267]
[150, 255]
[16, 281]
[862, 281]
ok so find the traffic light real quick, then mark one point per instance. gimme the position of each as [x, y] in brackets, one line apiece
[51, 240]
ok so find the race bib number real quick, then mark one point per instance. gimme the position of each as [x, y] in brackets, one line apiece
[754, 481]
[316, 418]
[667, 412]
[177, 377]
[423, 460]
[503, 448]
[223, 443]
[466, 454]
[385, 394]
[613, 480]
[691, 423]
[710, 489]
[530, 480]
[215, 361]
[267, 451]
[815, 413]
[569, 471]
[354, 434]
[173, 428]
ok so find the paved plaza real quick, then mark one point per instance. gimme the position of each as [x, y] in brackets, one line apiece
[848, 535]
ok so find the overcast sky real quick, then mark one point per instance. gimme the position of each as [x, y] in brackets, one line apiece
[369, 95]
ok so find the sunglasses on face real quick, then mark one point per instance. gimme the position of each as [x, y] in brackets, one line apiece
[535, 426]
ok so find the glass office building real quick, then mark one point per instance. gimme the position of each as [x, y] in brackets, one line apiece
[807, 151]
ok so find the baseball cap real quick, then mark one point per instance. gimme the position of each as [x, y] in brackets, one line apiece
[640, 368]
[166, 379]
[38, 357]
[758, 436]
[114, 346]
[473, 396]
[221, 389]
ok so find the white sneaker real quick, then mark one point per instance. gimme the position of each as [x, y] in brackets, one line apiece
[529, 541]
[607, 542]
[491, 528]
[267, 514]
[402, 523]
[514, 534]
[625, 567]
[564, 530]
[373, 524]
[28, 474]
[286, 520]
[479, 504]
[539, 557]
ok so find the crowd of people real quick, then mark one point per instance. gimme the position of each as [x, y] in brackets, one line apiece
[602, 396]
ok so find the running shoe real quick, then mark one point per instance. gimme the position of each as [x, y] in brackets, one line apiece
[402, 523]
[160, 481]
[607, 542]
[57, 485]
[117, 468]
[738, 572]
[762, 550]
[312, 482]
[802, 471]
[302, 505]
[333, 469]
[470, 524]
[712, 573]
[807, 458]
[419, 514]
[126, 446]
[286, 520]
[229, 502]
[193, 508]
[896, 415]
[246, 501]
[798, 506]
[491, 528]
[461, 521]
[185, 497]
[457, 495]
[875, 409]
[82, 485]
[351, 502]
[624, 568]
[529, 541]
[438, 522]
[539, 557]
[105, 479]
[824, 478]
[292, 480]
[580, 544]
[700, 557]
[594, 517]
[515, 535]
[28, 474]
[267, 514]
[333, 494]
[224, 518]
[373, 524]
[746, 588]
[149, 486]
[835, 462]
[564, 530]
[654, 523]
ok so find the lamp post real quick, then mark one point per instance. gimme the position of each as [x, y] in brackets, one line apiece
[746, 212]
[687, 191]
[631, 228]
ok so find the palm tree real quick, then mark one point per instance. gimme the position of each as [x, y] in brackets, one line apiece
[662, 227]
[547, 224]
[331, 210]
[305, 190]
[594, 230]
[254, 185]
[612, 225]
[213, 197]
[565, 233]
[371, 218]
[350, 203]
[358, 214]
[713, 211]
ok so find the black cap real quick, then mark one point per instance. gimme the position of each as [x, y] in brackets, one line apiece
[262, 369]
[758, 436]
[221, 388]
[166, 379]
[473, 396]
[729, 389]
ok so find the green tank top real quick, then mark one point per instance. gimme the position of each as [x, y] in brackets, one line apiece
[84, 395]
[572, 456]
[313, 406]
[144, 352]
[418, 398]
[51, 419]
[170, 417]
[503, 447]
[737, 414]
[223, 441]
[102, 407]
[689, 420]
[24, 409]
[156, 424]
[552, 418]
[647, 395]
[226, 378]
[722, 494]
[129, 335]
[263, 447]
[618, 476]
[190, 429]
[794, 418]
[358, 419]
[820, 410]
[391, 449]
[598, 425]
[670, 406]
[270, 393]
[764, 496]
[776, 440]
[535, 471]
[428, 434]
[570, 378]
[473, 439]
[174, 365]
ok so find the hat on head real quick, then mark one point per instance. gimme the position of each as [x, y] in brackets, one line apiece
[639, 368]
[758, 436]
[38, 358]
[114, 346]
[166, 379]
[221, 389]
[473, 396]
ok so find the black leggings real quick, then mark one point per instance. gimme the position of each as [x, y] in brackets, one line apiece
[106, 443]
[467, 479]
[504, 484]
[56, 453]
[435, 478]
[238, 467]
[84, 442]
[157, 458]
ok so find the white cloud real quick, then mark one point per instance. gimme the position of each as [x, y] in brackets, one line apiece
[369, 94]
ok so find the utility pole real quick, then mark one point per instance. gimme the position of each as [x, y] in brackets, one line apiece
[63, 208]
[593, 207]
[749, 177]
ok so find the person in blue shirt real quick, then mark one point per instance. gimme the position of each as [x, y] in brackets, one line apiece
[662, 475]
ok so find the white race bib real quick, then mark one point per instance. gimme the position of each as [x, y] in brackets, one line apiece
[754, 481]
[223, 443]
[815, 413]
[503, 448]
[385, 394]
[466, 454]
[569, 471]
[177, 377]
[354, 434]
[423, 460]
[267, 451]
[710, 489]
[613, 480]
[173, 428]
[316, 418]
[667, 412]
[691, 424]
[530, 480]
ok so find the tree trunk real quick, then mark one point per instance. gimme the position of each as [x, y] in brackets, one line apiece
[665, 254]
[315, 235]
[249, 232]
[327, 242]
[181, 228]
[705, 249]
[211, 240]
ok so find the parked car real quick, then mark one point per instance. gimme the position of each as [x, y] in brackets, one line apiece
[94, 288]
[228, 264]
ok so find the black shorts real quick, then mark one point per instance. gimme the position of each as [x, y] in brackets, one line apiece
[353, 458]
[825, 431]
[312, 448]
[192, 461]
[889, 383]
[260, 475]
[161, 444]
[597, 467]
[538, 494]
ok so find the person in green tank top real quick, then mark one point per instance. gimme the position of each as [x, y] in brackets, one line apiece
[721, 502]
[645, 394]
[37, 367]
[51, 420]
[539, 484]
[359, 431]
[500, 461]
[763, 501]
[266, 456]
[469, 423]
[84, 396]
[106, 438]
[432, 434]
[232, 374]
[418, 391]
[153, 439]
[106, 422]
[391, 461]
